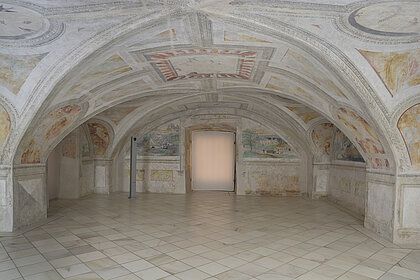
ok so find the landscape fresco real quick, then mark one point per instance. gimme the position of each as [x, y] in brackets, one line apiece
[261, 143]
[344, 148]
[163, 141]
[409, 126]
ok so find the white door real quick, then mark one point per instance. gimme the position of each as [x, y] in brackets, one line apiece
[213, 160]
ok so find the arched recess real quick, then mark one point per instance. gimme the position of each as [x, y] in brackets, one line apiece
[143, 124]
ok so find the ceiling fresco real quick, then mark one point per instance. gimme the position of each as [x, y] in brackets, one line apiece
[334, 62]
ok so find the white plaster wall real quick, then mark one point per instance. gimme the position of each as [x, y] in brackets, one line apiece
[87, 177]
[6, 200]
[53, 173]
[347, 186]
[69, 178]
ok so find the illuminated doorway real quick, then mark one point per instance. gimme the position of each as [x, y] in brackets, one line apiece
[213, 160]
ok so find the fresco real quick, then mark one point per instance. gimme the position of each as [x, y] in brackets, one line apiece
[139, 174]
[161, 175]
[51, 127]
[117, 113]
[125, 90]
[397, 70]
[269, 183]
[344, 148]
[301, 65]
[393, 18]
[322, 137]
[164, 141]
[263, 143]
[5, 125]
[68, 146]
[14, 69]
[363, 133]
[110, 68]
[378, 163]
[19, 22]
[304, 113]
[203, 63]
[409, 126]
[235, 37]
[164, 36]
[84, 144]
[100, 138]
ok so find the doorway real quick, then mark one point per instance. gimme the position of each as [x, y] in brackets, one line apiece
[213, 160]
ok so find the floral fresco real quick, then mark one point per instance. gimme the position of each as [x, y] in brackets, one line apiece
[51, 127]
[263, 143]
[363, 133]
[100, 138]
[164, 141]
[5, 125]
[344, 148]
[397, 70]
[14, 69]
[409, 126]
[322, 137]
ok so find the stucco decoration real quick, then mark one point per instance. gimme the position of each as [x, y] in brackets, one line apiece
[5, 125]
[125, 90]
[68, 148]
[395, 18]
[111, 67]
[236, 37]
[398, 70]
[304, 113]
[100, 138]
[344, 149]
[363, 133]
[322, 137]
[161, 175]
[409, 126]
[203, 63]
[51, 126]
[164, 36]
[163, 141]
[264, 143]
[15, 69]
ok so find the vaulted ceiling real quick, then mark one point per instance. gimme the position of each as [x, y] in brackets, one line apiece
[355, 64]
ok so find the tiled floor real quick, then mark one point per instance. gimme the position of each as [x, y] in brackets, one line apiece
[209, 235]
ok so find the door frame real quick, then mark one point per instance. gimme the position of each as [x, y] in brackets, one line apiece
[188, 148]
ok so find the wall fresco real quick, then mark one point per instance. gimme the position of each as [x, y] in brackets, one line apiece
[5, 125]
[397, 70]
[409, 126]
[363, 133]
[139, 174]
[164, 141]
[161, 175]
[84, 144]
[344, 148]
[68, 146]
[110, 68]
[266, 183]
[100, 138]
[51, 127]
[15, 69]
[304, 113]
[322, 137]
[263, 143]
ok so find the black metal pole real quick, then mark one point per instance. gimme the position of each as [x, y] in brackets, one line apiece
[133, 161]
